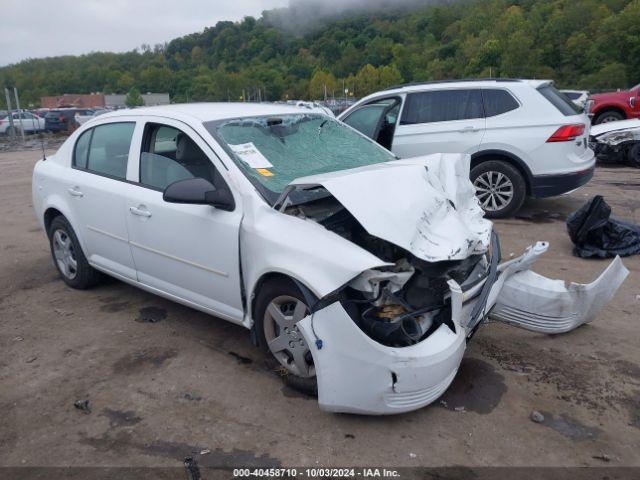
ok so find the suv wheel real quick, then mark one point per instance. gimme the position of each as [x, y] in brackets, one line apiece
[608, 116]
[279, 306]
[500, 188]
[68, 256]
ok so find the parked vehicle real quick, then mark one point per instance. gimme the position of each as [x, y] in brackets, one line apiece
[61, 120]
[362, 275]
[26, 120]
[617, 141]
[579, 97]
[85, 115]
[615, 106]
[524, 137]
[82, 115]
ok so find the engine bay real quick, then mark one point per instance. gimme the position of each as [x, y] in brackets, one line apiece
[398, 305]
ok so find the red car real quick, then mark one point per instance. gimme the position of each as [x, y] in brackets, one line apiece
[614, 106]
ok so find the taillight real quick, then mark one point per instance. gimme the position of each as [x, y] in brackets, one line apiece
[566, 133]
[61, 118]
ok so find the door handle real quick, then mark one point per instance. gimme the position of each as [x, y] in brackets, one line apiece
[468, 129]
[140, 211]
[75, 192]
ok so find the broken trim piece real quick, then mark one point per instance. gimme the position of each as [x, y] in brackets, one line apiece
[540, 304]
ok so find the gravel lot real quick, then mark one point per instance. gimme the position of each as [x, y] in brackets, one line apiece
[188, 382]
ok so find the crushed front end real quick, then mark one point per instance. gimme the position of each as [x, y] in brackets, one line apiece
[391, 339]
[370, 359]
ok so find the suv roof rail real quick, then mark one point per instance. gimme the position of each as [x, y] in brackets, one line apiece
[435, 82]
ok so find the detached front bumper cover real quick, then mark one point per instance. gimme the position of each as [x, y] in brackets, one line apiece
[359, 375]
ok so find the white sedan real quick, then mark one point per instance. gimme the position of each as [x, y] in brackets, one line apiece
[362, 275]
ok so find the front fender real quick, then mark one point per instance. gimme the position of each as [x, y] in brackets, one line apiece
[273, 242]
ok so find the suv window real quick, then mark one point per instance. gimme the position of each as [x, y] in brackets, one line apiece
[377, 120]
[169, 155]
[497, 102]
[366, 119]
[559, 100]
[105, 149]
[442, 106]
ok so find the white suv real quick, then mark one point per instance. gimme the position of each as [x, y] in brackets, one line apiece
[524, 136]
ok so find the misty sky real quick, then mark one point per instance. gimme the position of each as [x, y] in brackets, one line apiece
[41, 28]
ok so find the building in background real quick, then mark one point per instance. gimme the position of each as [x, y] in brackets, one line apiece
[92, 100]
[98, 100]
[149, 99]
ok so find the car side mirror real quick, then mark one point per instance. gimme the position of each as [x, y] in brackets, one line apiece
[198, 191]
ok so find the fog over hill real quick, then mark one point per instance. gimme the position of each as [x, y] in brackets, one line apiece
[303, 16]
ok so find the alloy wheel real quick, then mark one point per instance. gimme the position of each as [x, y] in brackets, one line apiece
[284, 340]
[494, 190]
[64, 254]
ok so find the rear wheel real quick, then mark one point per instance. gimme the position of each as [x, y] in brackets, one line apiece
[608, 116]
[68, 256]
[633, 156]
[279, 307]
[500, 188]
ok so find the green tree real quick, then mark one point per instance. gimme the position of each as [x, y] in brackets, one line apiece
[134, 99]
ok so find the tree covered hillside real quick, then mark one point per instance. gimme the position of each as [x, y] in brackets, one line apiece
[593, 44]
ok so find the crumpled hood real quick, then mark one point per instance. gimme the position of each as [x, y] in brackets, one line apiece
[426, 205]
[614, 126]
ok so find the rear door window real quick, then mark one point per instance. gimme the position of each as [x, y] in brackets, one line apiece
[559, 100]
[109, 149]
[497, 102]
[442, 106]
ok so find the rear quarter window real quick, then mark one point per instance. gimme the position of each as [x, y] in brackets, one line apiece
[82, 149]
[559, 100]
[497, 102]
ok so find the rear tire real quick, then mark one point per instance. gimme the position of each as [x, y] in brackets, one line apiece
[283, 296]
[500, 188]
[68, 256]
[608, 116]
[633, 155]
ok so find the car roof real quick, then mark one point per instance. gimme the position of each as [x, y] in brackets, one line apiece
[477, 82]
[206, 112]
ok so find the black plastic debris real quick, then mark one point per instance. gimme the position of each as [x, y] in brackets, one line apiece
[193, 471]
[596, 234]
[83, 405]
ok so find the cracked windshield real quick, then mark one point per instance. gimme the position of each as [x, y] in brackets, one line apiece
[276, 150]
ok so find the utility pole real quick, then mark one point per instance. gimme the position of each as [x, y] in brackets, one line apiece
[15, 93]
[10, 116]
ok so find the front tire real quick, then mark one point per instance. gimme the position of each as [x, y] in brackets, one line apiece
[68, 256]
[500, 188]
[608, 116]
[279, 306]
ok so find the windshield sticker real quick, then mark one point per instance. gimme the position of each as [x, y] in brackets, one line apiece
[249, 154]
[264, 172]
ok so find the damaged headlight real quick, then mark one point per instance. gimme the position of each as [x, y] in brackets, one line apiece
[402, 305]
